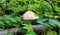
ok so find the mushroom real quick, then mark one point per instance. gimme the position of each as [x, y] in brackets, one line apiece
[29, 15]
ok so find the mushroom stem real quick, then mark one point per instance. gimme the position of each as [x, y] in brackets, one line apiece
[30, 22]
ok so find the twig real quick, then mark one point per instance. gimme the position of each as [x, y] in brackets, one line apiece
[15, 30]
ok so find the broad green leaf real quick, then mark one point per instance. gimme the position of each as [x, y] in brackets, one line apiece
[54, 22]
[49, 14]
[41, 20]
[28, 27]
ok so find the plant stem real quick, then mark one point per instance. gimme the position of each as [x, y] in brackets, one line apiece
[44, 33]
[30, 22]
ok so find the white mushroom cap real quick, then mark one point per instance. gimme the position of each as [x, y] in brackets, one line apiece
[29, 15]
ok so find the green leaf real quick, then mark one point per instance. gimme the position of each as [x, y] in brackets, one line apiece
[48, 14]
[31, 33]
[57, 9]
[1, 23]
[41, 20]
[9, 18]
[18, 19]
[1, 18]
[51, 33]
[9, 34]
[54, 22]
[2, 1]
[28, 27]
